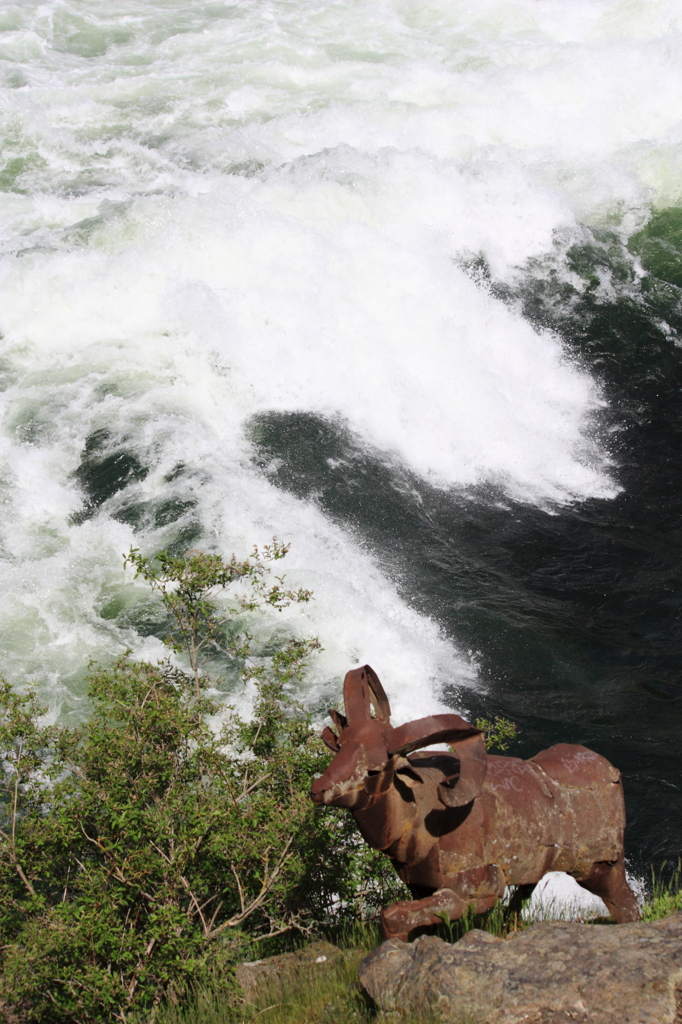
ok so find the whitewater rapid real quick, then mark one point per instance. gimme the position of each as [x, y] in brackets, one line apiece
[215, 211]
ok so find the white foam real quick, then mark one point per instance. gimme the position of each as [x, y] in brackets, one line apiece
[167, 298]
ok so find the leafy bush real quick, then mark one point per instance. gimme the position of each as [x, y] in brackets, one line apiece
[498, 734]
[146, 849]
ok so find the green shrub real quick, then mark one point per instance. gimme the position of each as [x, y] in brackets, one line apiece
[498, 734]
[145, 850]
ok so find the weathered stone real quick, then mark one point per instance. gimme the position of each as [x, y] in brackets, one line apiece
[552, 973]
[256, 976]
[383, 971]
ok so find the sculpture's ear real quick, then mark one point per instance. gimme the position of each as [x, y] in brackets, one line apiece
[378, 695]
[462, 788]
[330, 739]
[469, 747]
[339, 720]
[361, 691]
[356, 696]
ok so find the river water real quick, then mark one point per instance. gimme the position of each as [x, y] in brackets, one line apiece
[398, 282]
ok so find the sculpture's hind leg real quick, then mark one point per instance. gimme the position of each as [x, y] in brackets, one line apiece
[608, 881]
[521, 894]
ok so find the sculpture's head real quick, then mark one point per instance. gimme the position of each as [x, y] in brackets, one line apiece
[369, 753]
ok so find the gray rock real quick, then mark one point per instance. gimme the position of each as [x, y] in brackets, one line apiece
[382, 972]
[255, 977]
[552, 973]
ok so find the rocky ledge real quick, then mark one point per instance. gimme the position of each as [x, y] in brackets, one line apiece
[552, 973]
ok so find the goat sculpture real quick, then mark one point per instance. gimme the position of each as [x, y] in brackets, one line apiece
[459, 827]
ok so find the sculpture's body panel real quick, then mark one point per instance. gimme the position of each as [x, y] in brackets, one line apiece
[462, 826]
[526, 820]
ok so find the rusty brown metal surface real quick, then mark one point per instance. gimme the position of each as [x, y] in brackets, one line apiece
[461, 826]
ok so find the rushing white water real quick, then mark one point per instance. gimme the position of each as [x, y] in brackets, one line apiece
[213, 210]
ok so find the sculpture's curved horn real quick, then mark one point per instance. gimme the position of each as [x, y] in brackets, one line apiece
[461, 788]
[380, 700]
[356, 695]
[425, 731]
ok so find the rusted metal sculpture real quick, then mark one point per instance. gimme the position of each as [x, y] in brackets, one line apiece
[459, 827]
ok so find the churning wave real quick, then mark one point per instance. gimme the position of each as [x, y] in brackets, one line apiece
[310, 269]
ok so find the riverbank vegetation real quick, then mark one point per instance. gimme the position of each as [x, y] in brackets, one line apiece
[169, 836]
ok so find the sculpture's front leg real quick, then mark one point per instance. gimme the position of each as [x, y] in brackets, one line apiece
[477, 888]
[398, 920]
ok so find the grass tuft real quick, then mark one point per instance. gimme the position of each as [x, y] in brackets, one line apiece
[666, 893]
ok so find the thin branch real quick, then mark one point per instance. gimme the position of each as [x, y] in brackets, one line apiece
[239, 885]
[144, 699]
[15, 799]
[214, 916]
[274, 932]
[266, 886]
[161, 853]
[12, 838]
[22, 876]
[195, 901]
[66, 884]
[114, 869]
[254, 785]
